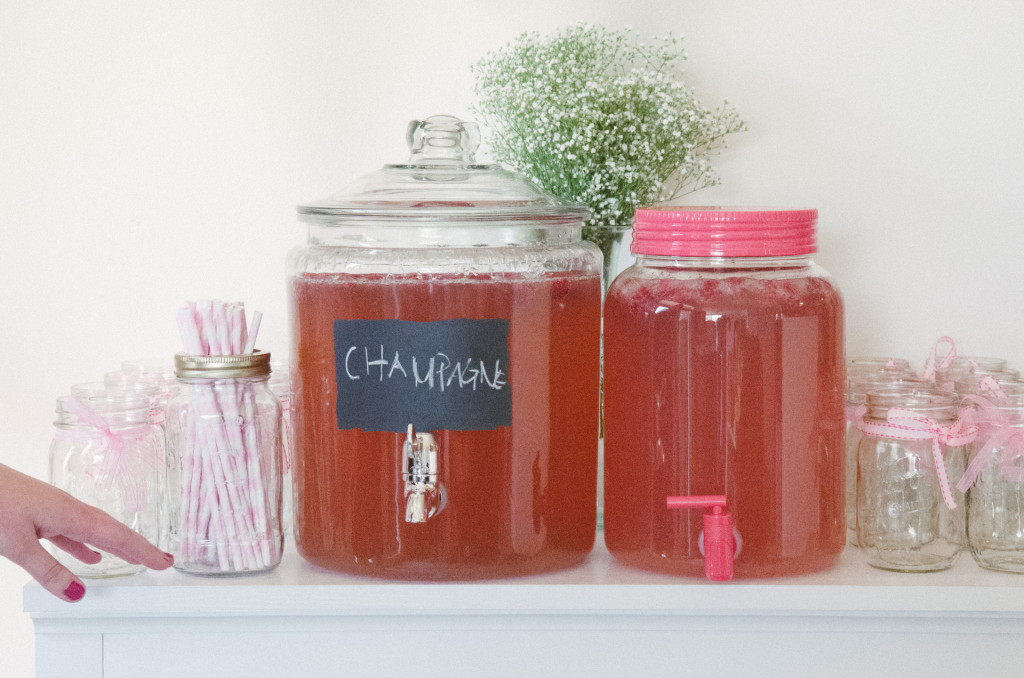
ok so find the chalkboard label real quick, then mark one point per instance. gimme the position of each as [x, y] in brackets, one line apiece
[445, 374]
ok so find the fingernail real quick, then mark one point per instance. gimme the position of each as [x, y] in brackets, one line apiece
[75, 591]
[168, 557]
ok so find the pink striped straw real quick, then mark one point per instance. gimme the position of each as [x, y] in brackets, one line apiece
[250, 344]
[189, 331]
[236, 324]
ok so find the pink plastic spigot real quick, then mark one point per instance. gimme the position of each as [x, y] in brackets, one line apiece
[719, 542]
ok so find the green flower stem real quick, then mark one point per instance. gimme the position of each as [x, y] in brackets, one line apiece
[610, 240]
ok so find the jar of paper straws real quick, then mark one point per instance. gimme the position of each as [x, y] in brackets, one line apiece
[224, 447]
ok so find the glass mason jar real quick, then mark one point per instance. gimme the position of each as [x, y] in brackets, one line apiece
[107, 453]
[867, 368]
[950, 371]
[912, 442]
[145, 385]
[159, 375]
[445, 380]
[724, 376]
[985, 382]
[858, 383]
[280, 384]
[224, 466]
[994, 480]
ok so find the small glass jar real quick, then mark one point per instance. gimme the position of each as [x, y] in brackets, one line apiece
[986, 383]
[280, 383]
[949, 372]
[724, 376]
[159, 375]
[224, 466]
[858, 383]
[131, 382]
[867, 368]
[912, 442]
[107, 453]
[994, 481]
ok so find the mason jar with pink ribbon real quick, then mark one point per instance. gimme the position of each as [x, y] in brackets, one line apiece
[994, 479]
[107, 452]
[986, 383]
[863, 375]
[913, 441]
[946, 370]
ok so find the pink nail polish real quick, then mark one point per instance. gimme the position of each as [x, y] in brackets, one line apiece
[75, 591]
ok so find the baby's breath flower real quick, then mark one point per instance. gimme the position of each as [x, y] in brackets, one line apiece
[598, 117]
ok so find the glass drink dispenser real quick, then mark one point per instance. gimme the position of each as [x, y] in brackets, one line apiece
[724, 398]
[446, 344]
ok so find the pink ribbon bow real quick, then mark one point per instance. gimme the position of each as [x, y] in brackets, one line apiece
[933, 365]
[995, 428]
[115, 466]
[991, 385]
[902, 424]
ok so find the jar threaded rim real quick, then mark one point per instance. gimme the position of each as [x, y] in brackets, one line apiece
[255, 364]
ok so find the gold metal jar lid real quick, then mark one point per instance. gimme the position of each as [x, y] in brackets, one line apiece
[255, 364]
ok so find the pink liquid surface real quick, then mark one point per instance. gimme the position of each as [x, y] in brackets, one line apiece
[727, 386]
[520, 498]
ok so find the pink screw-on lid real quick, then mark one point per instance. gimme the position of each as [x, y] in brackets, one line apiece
[723, 232]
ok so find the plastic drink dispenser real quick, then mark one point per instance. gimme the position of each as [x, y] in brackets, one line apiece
[724, 397]
[446, 332]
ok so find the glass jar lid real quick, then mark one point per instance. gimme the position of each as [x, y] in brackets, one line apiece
[440, 184]
[242, 365]
[677, 231]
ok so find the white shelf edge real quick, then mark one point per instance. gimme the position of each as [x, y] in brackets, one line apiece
[598, 587]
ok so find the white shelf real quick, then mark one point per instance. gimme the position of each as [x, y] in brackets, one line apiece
[851, 617]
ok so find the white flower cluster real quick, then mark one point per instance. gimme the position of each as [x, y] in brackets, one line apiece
[595, 116]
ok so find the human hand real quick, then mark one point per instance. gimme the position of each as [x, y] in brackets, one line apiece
[31, 510]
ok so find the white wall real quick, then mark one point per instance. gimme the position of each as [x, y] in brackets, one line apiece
[152, 153]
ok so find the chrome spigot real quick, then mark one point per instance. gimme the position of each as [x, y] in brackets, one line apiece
[425, 496]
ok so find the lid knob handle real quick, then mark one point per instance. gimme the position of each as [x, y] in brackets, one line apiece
[442, 140]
